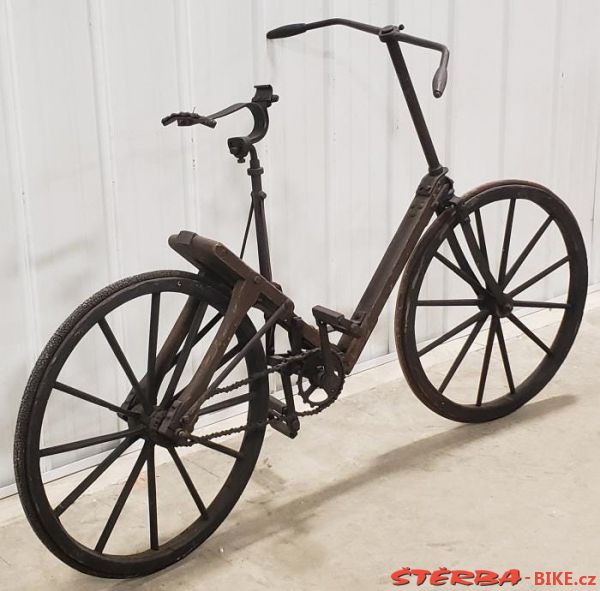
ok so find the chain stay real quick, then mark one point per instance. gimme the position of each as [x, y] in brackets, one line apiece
[191, 439]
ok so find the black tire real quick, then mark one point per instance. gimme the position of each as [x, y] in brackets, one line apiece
[424, 379]
[39, 510]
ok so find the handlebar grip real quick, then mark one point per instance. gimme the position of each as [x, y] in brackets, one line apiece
[169, 119]
[287, 31]
[188, 119]
[439, 81]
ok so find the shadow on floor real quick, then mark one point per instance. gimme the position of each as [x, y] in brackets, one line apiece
[257, 523]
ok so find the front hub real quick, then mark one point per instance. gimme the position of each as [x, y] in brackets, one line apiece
[498, 307]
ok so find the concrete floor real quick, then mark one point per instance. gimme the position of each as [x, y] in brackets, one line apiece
[378, 483]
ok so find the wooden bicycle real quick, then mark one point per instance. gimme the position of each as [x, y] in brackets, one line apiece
[203, 359]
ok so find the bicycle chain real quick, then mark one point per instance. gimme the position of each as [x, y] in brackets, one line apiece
[260, 424]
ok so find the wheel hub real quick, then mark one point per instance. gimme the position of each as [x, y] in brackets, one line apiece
[151, 424]
[498, 307]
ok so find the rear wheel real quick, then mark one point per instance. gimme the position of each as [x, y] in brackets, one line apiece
[469, 345]
[145, 502]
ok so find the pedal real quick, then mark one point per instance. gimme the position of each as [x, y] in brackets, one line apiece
[283, 421]
[336, 320]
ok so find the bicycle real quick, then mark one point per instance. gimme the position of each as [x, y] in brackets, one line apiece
[206, 370]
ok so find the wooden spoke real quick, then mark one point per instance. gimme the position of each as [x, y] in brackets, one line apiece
[477, 287]
[462, 353]
[538, 277]
[481, 236]
[506, 241]
[529, 333]
[271, 322]
[93, 399]
[120, 503]
[93, 476]
[184, 355]
[225, 359]
[152, 504]
[209, 325]
[234, 401]
[486, 361]
[167, 356]
[504, 354]
[188, 482]
[65, 447]
[451, 333]
[218, 447]
[206, 329]
[480, 259]
[517, 264]
[528, 304]
[463, 264]
[152, 347]
[448, 302]
[230, 354]
[116, 348]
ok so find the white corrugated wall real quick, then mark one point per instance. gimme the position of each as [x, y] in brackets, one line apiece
[91, 185]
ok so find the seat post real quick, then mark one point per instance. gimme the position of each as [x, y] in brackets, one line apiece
[255, 171]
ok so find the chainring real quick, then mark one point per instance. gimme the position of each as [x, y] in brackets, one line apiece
[313, 370]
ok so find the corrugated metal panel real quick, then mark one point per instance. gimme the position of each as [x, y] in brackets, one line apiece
[92, 185]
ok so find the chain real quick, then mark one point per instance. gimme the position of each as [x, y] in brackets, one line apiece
[259, 424]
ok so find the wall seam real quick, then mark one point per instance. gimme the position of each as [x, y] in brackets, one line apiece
[503, 90]
[20, 191]
[556, 86]
[19, 184]
[556, 56]
[328, 151]
[185, 83]
[592, 256]
[104, 128]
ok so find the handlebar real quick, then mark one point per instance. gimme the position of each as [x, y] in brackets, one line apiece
[441, 74]
[386, 34]
[298, 28]
[238, 146]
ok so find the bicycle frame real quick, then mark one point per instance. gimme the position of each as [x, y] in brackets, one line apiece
[256, 289]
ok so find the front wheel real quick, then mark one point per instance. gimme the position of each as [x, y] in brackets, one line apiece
[141, 502]
[491, 301]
